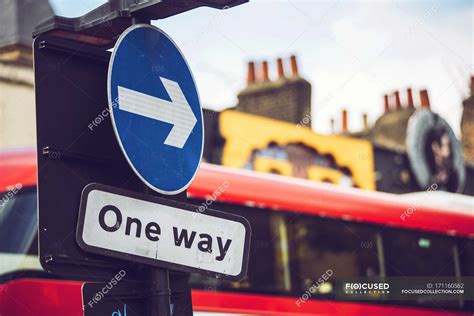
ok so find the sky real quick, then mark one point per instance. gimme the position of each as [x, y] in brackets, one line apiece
[352, 52]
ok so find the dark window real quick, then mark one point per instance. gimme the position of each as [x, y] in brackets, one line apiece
[466, 258]
[318, 245]
[418, 254]
[267, 268]
[466, 254]
[18, 220]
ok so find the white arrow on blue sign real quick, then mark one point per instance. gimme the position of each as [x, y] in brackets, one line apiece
[156, 112]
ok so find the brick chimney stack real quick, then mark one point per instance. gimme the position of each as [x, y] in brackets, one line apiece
[251, 73]
[410, 103]
[286, 99]
[424, 100]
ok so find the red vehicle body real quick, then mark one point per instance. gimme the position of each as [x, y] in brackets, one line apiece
[26, 295]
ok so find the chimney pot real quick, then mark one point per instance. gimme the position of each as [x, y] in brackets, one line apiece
[472, 85]
[265, 71]
[251, 73]
[294, 66]
[366, 121]
[398, 104]
[424, 99]
[386, 104]
[281, 71]
[344, 121]
[410, 99]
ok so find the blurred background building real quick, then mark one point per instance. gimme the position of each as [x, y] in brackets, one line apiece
[17, 108]
[408, 148]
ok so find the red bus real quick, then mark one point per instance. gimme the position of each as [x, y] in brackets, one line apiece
[300, 230]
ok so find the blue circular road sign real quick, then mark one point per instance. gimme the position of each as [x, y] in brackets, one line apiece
[155, 109]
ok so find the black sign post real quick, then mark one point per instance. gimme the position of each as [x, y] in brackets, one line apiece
[76, 147]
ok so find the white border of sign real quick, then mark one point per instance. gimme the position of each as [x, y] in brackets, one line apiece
[109, 97]
[192, 209]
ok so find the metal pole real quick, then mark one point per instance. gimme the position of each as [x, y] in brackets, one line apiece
[159, 292]
[159, 300]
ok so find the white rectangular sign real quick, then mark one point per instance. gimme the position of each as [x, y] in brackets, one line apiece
[162, 232]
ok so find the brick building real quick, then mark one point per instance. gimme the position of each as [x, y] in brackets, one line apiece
[269, 130]
[286, 98]
[401, 145]
[399, 148]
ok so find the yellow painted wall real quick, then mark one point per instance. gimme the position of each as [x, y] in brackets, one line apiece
[245, 132]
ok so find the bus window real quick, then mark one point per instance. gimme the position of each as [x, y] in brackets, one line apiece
[18, 221]
[466, 258]
[18, 230]
[421, 254]
[318, 245]
[418, 254]
[268, 270]
[466, 254]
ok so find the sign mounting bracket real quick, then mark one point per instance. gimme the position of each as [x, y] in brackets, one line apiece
[102, 26]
